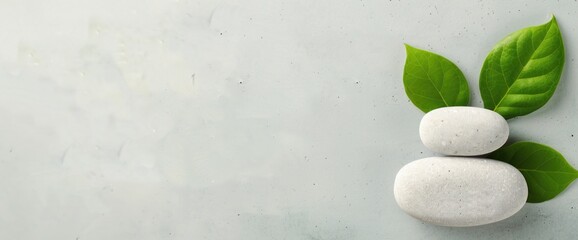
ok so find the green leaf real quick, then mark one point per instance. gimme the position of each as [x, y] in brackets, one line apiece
[545, 170]
[522, 71]
[432, 81]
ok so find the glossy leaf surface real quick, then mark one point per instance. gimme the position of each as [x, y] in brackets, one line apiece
[432, 81]
[522, 71]
[546, 171]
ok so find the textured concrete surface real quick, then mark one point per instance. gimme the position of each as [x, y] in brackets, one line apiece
[257, 119]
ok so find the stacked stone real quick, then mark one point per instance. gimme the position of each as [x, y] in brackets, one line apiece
[460, 190]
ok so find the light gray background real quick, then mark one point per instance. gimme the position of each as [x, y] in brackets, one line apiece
[257, 119]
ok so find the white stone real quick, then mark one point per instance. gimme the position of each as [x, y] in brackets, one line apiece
[463, 131]
[460, 191]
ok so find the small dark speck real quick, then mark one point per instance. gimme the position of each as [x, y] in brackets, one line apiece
[449, 170]
[238, 214]
[356, 82]
[240, 82]
[570, 135]
[571, 207]
[221, 34]
[420, 152]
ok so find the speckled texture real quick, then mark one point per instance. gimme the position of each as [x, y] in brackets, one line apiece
[255, 119]
[457, 191]
[463, 131]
